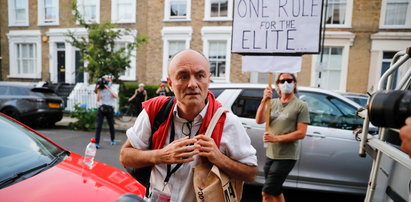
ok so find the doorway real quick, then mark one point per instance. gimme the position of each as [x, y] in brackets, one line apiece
[61, 63]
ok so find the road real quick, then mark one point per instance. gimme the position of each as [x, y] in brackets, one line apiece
[76, 141]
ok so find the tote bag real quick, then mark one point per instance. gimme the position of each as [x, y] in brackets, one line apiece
[210, 183]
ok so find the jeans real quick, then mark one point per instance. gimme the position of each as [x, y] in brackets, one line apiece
[110, 121]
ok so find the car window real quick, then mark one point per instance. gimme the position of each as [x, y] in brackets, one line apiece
[3, 90]
[216, 91]
[248, 101]
[360, 100]
[329, 111]
[19, 91]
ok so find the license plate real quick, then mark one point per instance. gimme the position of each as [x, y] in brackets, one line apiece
[54, 105]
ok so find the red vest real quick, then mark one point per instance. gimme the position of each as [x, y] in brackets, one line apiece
[153, 106]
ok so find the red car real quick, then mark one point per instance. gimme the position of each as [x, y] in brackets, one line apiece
[33, 168]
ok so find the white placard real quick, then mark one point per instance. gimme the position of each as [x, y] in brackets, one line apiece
[276, 64]
[276, 26]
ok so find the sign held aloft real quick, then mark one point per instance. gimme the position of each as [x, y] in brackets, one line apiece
[270, 27]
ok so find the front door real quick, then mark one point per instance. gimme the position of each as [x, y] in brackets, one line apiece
[61, 66]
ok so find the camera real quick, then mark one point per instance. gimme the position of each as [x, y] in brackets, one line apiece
[390, 108]
[101, 82]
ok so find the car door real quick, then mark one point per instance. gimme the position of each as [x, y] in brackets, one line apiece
[245, 107]
[329, 157]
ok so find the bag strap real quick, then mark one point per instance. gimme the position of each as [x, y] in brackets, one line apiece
[161, 116]
[214, 121]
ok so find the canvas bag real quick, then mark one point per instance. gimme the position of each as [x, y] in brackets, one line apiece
[211, 184]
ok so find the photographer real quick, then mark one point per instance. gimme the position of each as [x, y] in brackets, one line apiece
[106, 97]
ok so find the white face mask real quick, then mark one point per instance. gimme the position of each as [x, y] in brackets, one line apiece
[286, 87]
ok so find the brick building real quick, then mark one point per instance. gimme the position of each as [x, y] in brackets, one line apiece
[361, 36]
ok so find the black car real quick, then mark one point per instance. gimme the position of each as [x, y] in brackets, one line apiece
[35, 106]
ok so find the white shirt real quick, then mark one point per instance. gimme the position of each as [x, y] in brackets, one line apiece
[235, 144]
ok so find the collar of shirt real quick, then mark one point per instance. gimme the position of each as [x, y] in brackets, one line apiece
[179, 122]
[198, 118]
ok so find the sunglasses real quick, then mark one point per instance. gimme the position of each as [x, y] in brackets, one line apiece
[288, 80]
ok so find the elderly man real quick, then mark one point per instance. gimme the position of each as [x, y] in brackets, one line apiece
[229, 147]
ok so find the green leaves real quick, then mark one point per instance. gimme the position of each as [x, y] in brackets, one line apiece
[101, 48]
[86, 119]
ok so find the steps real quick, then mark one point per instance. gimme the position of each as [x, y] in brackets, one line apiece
[63, 90]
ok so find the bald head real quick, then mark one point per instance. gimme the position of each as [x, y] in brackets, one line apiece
[189, 77]
[188, 56]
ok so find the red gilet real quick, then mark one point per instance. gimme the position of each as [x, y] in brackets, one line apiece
[154, 105]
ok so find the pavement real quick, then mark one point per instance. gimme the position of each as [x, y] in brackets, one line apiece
[120, 126]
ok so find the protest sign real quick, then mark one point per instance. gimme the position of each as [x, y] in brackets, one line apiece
[274, 27]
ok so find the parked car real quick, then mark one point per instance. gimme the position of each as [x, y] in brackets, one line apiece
[329, 159]
[29, 104]
[33, 168]
[359, 98]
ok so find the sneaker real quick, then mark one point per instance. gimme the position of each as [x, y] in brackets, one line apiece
[98, 146]
[113, 142]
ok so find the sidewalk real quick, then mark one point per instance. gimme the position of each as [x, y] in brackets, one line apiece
[118, 125]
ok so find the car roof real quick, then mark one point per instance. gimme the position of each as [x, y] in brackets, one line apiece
[18, 84]
[262, 86]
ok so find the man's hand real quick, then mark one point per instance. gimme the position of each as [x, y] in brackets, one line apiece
[208, 149]
[269, 137]
[405, 133]
[179, 151]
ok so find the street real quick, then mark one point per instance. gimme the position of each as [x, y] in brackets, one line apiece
[76, 141]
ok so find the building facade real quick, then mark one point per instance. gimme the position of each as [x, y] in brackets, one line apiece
[361, 37]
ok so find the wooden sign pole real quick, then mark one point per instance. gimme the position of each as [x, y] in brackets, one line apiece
[268, 106]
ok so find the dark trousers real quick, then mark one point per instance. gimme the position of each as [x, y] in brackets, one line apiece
[110, 120]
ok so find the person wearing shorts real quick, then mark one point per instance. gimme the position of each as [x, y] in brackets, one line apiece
[289, 118]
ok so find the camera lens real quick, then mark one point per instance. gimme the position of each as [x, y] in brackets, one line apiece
[390, 108]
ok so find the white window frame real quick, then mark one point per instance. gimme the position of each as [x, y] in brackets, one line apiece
[130, 73]
[173, 34]
[336, 39]
[218, 33]
[167, 16]
[12, 14]
[382, 17]
[24, 37]
[81, 3]
[42, 15]
[114, 13]
[348, 16]
[385, 42]
[207, 12]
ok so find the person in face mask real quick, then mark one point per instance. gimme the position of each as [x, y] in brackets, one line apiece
[106, 97]
[289, 118]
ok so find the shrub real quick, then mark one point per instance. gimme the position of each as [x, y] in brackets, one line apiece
[86, 118]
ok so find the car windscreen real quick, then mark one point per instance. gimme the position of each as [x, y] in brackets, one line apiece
[23, 153]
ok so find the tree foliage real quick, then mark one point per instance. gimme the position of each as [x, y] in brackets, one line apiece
[99, 49]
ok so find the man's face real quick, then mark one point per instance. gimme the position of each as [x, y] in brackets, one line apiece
[189, 77]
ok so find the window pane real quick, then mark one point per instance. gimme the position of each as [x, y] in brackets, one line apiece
[396, 12]
[217, 57]
[386, 62]
[178, 8]
[124, 9]
[219, 8]
[26, 58]
[330, 69]
[174, 47]
[336, 12]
